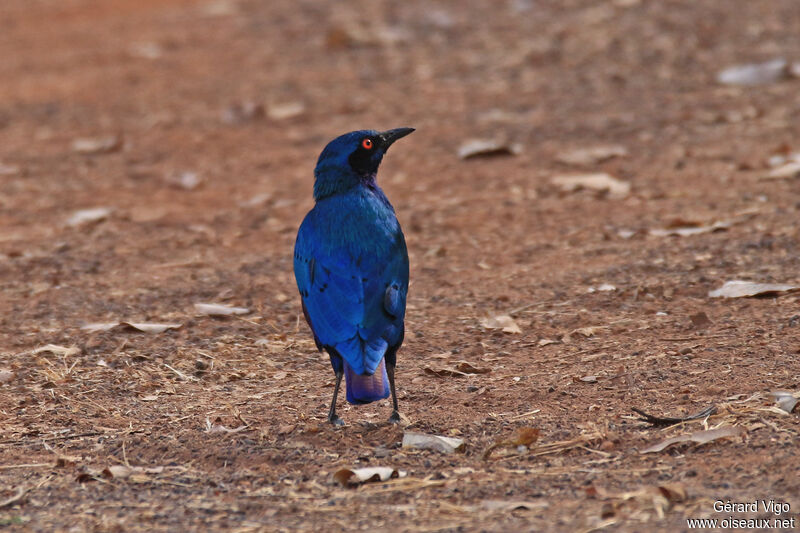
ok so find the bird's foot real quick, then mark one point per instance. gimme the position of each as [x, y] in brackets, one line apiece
[335, 421]
[394, 418]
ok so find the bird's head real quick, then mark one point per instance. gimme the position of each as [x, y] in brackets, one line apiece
[351, 159]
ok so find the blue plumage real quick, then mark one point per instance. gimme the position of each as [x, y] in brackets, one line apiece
[351, 267]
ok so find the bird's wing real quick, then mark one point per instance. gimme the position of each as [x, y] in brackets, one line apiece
[333, 298]
[358, 310]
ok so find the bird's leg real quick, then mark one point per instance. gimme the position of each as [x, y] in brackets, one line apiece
[332, 418]
[395, 417]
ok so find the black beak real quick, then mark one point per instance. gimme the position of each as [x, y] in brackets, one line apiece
[389, 136]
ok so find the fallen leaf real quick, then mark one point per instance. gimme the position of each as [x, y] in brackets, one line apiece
[16, 498]
[242, 112]
[669, 421]
[588, 379]
[352, 477]
[58, 350]
[700, 320]
[754, 73]
[186, 180]
[546, 342]
[286, 110]
[525, 436]
[689, 229]
[659, 498]
[788, 171]
[6, 376]
[462, 369]
[744, 289]
[467, 368]
[285, 429]
[600, 182]
[86, 216]
[502, 322]
[700, 437]
[786, 400]
[219, 309]
[99, 326]
[136, 473]
[591, 156]
[438, 443]
[605, 287]
[487, 148]
[146, 50]
[140, 326]
[9, 170]
[502, 505]
[97, 145]
[216, 427]
[220, 8]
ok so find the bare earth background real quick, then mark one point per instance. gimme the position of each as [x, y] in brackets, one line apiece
[196, 127]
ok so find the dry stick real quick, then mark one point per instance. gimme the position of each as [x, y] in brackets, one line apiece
[30, 465]
[68, 437]
[14, 499]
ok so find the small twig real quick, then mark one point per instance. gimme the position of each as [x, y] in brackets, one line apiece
[29, 465]
[14, 499]
[180, 374]
[668, 421]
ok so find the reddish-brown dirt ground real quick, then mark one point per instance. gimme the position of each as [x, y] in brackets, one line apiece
[216, 113]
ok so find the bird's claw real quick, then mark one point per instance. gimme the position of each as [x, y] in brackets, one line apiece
[335, 421]
[394, 418]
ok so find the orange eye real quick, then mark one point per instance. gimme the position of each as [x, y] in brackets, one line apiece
[367, 144]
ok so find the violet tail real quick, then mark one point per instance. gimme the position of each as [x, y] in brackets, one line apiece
[366, 388]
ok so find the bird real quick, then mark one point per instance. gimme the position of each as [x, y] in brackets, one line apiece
[352, 270]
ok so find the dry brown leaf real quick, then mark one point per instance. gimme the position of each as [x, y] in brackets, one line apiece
[786, 400]
[591, 156]
[700, 320]
[487, 148]
[87, 216]
[58, 350]
[689, 229]
[97, 145]
[507, 506]
[9, 170]
[6, 376]
[502, 322]
[438, 443]
[744, 289]
[754, 73]
[600, 182]
[140, 326]
[16, 498]
[700, 437]
[219, 309]
[347, 477]
[467, 368]
[462, 369]
[216, 427]
[242, 112]
[525, 436]
[788, 171]
[186, 180]
[659, 498]
[286, 110]
[136, 473]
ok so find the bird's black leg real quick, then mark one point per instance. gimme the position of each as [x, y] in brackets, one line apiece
[332, 417]
[395, 417]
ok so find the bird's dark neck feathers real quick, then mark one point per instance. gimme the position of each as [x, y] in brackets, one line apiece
[330, 181]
